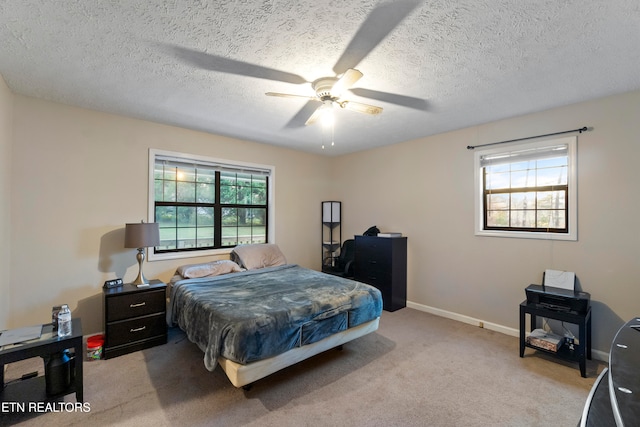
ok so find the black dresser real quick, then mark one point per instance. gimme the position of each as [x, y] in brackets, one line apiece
[382, 262]
[135, 318]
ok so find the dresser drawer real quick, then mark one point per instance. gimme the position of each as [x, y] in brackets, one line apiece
[379, 282]
[375, 276]
[135, 304]
[375, 251]
[374, 266]
[137, 329]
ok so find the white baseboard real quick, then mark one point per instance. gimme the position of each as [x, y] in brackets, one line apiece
[595, 354]
[600, 355]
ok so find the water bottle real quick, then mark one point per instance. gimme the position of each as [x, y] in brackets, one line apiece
[64, 321]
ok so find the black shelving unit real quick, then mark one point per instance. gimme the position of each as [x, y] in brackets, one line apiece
[331, 233]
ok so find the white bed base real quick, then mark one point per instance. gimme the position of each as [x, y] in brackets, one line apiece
[241, 375]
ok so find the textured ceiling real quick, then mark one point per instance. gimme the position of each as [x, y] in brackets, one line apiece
[433, 66]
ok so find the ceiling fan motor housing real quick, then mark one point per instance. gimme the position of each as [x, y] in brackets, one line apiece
[323, 87]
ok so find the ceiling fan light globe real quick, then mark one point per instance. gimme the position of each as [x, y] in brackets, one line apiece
[328, 119]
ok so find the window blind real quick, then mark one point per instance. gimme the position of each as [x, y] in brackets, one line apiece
[216, 166]
[514, 156]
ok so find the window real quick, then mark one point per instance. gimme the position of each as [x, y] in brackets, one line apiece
[206, 206]
[527, 190]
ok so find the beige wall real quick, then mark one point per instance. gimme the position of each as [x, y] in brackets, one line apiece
[424, 189]
[80, 175]
[6, 133]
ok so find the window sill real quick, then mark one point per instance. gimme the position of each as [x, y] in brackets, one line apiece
[188, 254]
[527, 235]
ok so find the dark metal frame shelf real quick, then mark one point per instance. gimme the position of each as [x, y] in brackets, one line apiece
[331, 233]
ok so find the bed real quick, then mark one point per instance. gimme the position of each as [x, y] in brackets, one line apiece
[255, 314]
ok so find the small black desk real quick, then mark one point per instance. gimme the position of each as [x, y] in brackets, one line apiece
[33, 389]
[581, 351]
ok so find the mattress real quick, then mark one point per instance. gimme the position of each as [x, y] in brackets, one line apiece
[256, 314]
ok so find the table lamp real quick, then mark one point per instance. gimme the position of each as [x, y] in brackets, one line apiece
[141, 236]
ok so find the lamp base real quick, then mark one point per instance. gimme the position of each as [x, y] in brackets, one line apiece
[140, 281]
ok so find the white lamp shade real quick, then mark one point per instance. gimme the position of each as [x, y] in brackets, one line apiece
[330, 211]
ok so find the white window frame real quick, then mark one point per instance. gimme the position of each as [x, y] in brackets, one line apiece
[233, 164]
[572, 219]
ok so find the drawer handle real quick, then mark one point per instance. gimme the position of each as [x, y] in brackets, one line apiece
[138, 329]
[373, 262]
[137, 305]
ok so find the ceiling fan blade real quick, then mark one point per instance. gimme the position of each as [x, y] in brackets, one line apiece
[393, 98]
[291, 95]
[299, 120]
[379, 24]
[315, 116]
[221, 64]
[360, 107]
[345, 82]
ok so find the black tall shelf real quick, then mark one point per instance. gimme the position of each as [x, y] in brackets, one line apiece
[331, 233]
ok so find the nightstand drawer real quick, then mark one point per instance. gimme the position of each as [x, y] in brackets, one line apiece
[137, 329]
[135, 304]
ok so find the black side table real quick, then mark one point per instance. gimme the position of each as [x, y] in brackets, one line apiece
[580, 352]
[34, 389]
[134, 318]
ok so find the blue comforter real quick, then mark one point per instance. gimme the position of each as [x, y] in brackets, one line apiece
[258, 314]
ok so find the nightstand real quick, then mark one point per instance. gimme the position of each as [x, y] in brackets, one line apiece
[134, 318]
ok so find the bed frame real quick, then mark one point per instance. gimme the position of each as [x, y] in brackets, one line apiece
[243, 375]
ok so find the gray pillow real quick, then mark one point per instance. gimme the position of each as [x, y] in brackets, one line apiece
[259, 255]
[213, 268]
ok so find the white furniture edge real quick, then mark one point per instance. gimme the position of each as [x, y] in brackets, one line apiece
[241, 375]
[592, 392]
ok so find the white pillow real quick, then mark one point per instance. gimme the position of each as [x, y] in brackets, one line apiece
[258, 256]
[213, 268]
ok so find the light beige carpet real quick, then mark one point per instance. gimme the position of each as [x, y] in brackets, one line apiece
[416, 370]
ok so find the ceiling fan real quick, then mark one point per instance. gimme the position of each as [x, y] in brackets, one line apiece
[329, 91]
